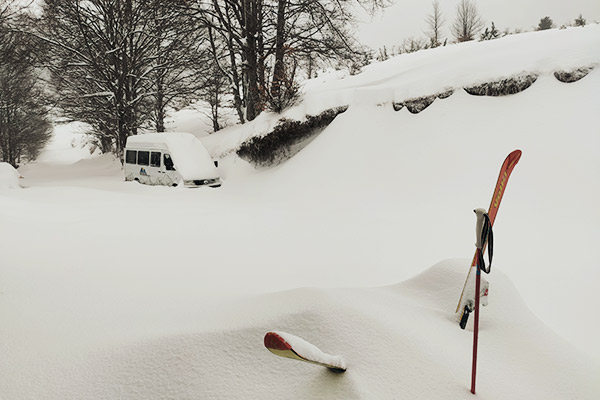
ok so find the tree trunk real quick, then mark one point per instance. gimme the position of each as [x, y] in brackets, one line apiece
[160, 109]
[253, 106]
[260, 50]
[278, 69]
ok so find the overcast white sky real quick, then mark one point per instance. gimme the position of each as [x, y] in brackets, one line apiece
[407, 17]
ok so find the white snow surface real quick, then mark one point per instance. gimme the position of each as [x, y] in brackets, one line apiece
[68, 145]
[9, 177]
[112, 289]
[310, 351]
[190, 157]
[433, 71]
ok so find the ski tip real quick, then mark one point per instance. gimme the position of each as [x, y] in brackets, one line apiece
[275, 342]
[514, 156]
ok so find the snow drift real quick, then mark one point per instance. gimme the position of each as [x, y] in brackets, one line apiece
[398, 341]
[9, 177]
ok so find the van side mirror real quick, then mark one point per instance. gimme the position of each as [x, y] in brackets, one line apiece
[216, 163]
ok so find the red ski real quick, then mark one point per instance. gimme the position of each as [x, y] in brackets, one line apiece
[505, 171]
[286, 345]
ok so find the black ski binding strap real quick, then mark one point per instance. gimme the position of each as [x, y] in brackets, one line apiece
[465, 317]
[487, 235]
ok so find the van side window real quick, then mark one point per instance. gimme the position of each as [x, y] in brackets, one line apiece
[131, 157]
[154, 159]
[143, 157]
[169, 163]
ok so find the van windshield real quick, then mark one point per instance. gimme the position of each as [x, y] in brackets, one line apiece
[169, 163]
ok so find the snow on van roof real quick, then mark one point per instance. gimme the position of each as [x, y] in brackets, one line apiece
[190, 157]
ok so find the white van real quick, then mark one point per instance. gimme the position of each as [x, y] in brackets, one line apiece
[170, 159]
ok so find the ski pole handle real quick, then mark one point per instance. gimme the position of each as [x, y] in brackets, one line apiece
[479, 227]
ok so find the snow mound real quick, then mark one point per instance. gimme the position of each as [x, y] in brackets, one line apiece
[9, 177]
[424, 73]
[396, 339]
[507, 64]
[86, 171]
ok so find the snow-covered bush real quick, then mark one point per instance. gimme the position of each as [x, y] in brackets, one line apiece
[276, 146]
[418, 104]
[9, 177]
[503, 87]
[572, 76]
[446, 94]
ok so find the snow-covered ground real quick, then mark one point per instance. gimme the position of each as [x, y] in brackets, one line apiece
[111, 289]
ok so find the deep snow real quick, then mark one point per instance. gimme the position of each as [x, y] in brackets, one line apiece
[112, 289]
[9, 177]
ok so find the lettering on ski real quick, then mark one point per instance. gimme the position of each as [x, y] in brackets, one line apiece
[509, 163]
[289, 346]
[499, 196]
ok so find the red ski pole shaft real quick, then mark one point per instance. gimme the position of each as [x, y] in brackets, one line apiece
[475, 329]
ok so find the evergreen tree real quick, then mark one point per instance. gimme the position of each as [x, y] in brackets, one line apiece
[580, 21]
[490, 33]
[545, 23]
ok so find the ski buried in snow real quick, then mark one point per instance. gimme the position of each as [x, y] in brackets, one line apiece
[466, 303]
[289, 346]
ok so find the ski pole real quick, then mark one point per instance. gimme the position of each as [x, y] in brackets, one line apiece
[483, 231]
[475, 329]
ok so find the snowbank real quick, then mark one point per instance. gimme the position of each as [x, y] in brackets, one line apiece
[9, 177]
[430, 72]
[400, 340]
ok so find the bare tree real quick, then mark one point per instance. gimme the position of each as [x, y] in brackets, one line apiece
[268, 40]
[118, 64]
[252, 29]
[214, 87]
[101, 64]
[310, 32]
[279, 75]
[24, 123]
[223, 21]
[468, 22]
[180, 60]
[412, 44]
[435, 20]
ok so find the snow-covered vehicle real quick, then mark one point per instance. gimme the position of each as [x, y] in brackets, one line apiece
[170, 159]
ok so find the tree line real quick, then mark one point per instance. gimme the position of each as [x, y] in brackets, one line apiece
[120, 65]
[467, 25]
